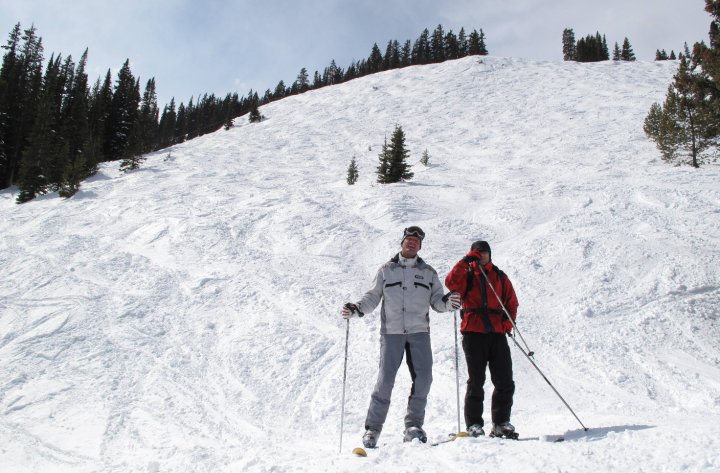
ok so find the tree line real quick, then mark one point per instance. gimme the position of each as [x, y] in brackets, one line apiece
[686, 126]
[55, 129]
[593, 48]
[428, 48]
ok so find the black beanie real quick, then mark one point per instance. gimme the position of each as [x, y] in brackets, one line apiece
[481, 245]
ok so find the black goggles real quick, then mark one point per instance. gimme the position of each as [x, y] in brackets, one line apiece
[414, 232]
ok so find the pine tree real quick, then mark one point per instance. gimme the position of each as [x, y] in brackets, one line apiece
[74, 173]
[425, 159]
[392, 55]
[40, 156]
[254, 116]
[598, 43]
[421, 49]
[616, 52]
[592, 48]
[406, 54]
[452, 46]
[393, 159]
[437, 46]
[352, 172]
[123, 114]
[148, 118]
[568, 42]
[133, 153]
[482, 45]
[191, 125]
[462, 43]
[22, 78]
[627, 52]
[167, 124]
[685, 126]
[181, 124]
[279, 91]
[59, 153]
[99, 118]
[9, 88]
[375, 61]
[79, 163]
[302, 83]
[332, 75]
[384, 164]
[605, 52]
[476, 44]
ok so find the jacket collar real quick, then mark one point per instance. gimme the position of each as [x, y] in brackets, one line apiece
[396, 259]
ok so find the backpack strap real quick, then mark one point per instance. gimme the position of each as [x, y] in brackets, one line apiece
[482, 312]
[469, 283]
[502, 276]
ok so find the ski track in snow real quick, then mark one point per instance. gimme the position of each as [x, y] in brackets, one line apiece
[185, 316]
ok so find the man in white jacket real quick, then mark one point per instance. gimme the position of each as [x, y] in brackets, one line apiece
[407, 288]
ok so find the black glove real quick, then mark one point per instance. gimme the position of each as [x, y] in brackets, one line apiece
[353, 309]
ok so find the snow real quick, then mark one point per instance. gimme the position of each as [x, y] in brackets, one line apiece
[186, 316]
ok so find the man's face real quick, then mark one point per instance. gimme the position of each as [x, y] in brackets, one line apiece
[484, 257]
[410, 247]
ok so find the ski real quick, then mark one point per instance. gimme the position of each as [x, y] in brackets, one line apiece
[359, 452]
[516, 436]
[451, 437]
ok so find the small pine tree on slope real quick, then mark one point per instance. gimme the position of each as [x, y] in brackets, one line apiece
[393, 159]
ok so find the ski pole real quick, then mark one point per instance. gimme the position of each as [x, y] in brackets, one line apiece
[529, 353]
[342, 409]
[548, 381]
[457, 371]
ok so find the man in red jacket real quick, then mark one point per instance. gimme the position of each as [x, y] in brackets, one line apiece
[483, 286]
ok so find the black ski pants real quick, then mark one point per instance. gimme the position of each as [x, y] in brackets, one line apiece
[482, 350]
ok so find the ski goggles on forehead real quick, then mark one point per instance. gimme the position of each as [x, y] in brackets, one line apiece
[414, 232]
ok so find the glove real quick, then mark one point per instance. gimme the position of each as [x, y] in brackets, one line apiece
[349, 310]
[472, 256]
[453, 301]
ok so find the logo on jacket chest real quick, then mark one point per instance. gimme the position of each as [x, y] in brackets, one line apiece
[417, 276]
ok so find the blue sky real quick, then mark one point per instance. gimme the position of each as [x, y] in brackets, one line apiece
[219, 46]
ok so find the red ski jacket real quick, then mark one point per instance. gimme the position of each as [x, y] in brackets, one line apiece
[481, 310]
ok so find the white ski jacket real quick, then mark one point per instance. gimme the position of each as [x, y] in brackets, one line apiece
[407, 293]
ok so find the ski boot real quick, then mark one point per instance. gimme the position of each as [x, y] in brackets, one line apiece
[414, 432]
[504, 430]
[370, 438]
[475, 430]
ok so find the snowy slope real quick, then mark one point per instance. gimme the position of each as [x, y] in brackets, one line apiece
[185, 317]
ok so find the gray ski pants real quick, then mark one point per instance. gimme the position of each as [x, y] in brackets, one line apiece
[419, 360]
